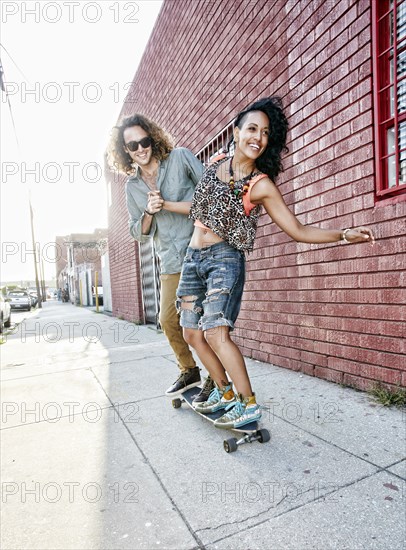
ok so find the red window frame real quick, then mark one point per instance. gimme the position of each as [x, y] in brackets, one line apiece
[386, 94]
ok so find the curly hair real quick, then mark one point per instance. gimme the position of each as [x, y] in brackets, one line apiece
[269, 162]
[119, 159]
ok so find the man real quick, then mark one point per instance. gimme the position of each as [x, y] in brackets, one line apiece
[159, 192]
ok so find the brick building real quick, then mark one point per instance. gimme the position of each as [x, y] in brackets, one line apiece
[334, 311]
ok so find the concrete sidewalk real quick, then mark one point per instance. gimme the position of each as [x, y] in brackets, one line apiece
[95, 457]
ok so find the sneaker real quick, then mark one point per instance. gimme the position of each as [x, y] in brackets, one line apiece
[203, 396]
[244, 411]
[185, 381]
[219, 398]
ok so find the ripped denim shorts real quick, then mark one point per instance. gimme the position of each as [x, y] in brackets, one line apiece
[211, 286]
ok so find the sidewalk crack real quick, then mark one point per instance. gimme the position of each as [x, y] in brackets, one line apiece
[282, 513]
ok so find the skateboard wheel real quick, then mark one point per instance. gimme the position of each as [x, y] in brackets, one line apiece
[230, 445]
[263, 436]
[176, 403]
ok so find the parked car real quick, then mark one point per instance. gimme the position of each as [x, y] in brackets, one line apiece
[5, 313]
[34, 298]
[19, 299]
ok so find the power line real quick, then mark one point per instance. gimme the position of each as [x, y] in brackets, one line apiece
[18, 68]
[2, 75]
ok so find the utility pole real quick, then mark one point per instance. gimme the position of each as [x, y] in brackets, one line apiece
[35, 256]
[2, 88]
[44, 293]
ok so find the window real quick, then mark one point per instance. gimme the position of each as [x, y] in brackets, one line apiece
[389, 41]
[217, 145]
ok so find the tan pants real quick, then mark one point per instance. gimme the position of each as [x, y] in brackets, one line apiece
[169, 321]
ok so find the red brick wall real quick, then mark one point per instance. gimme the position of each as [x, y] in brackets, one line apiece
[332, 311]
[123, 257]
[205, 61]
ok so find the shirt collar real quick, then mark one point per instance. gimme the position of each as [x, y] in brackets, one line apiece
[137, 169]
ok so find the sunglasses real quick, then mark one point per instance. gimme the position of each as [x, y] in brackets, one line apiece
[133, 145]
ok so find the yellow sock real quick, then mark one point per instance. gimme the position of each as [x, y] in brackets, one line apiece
[229, 394]
[250, 400]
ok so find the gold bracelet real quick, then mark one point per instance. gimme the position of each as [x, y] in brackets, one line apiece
[344, 235]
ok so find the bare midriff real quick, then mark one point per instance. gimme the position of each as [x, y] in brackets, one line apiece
[203, 237]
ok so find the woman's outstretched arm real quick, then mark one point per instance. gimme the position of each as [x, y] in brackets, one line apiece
[266, 193]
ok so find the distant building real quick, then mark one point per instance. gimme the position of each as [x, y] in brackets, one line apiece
[335, 311]
[79, 258]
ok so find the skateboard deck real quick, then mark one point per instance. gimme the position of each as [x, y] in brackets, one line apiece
[247, 433]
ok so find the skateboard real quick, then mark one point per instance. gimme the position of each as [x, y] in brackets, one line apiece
[246, 434]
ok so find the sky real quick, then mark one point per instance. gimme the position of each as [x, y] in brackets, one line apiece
[67, 66]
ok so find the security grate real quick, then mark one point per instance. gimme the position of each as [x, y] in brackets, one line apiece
[149, 264]
[216, 146]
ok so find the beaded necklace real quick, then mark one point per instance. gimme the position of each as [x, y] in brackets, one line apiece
[245, 181]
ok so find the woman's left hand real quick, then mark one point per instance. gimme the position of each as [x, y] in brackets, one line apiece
[359, 235]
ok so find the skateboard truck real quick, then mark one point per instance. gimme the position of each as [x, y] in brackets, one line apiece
[249, 432]
[231, 445]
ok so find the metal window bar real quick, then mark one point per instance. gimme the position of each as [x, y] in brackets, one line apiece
[216, 146]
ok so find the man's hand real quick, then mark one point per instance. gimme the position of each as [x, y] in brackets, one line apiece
[155, 202]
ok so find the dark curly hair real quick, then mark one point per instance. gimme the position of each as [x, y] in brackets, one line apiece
[119, 159]
[269, 162]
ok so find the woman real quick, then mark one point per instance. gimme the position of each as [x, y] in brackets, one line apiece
[226, 207]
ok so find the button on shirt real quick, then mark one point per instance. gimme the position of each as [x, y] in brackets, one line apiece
[177, 179]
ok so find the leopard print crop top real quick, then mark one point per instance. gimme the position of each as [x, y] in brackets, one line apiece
[227, 215]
